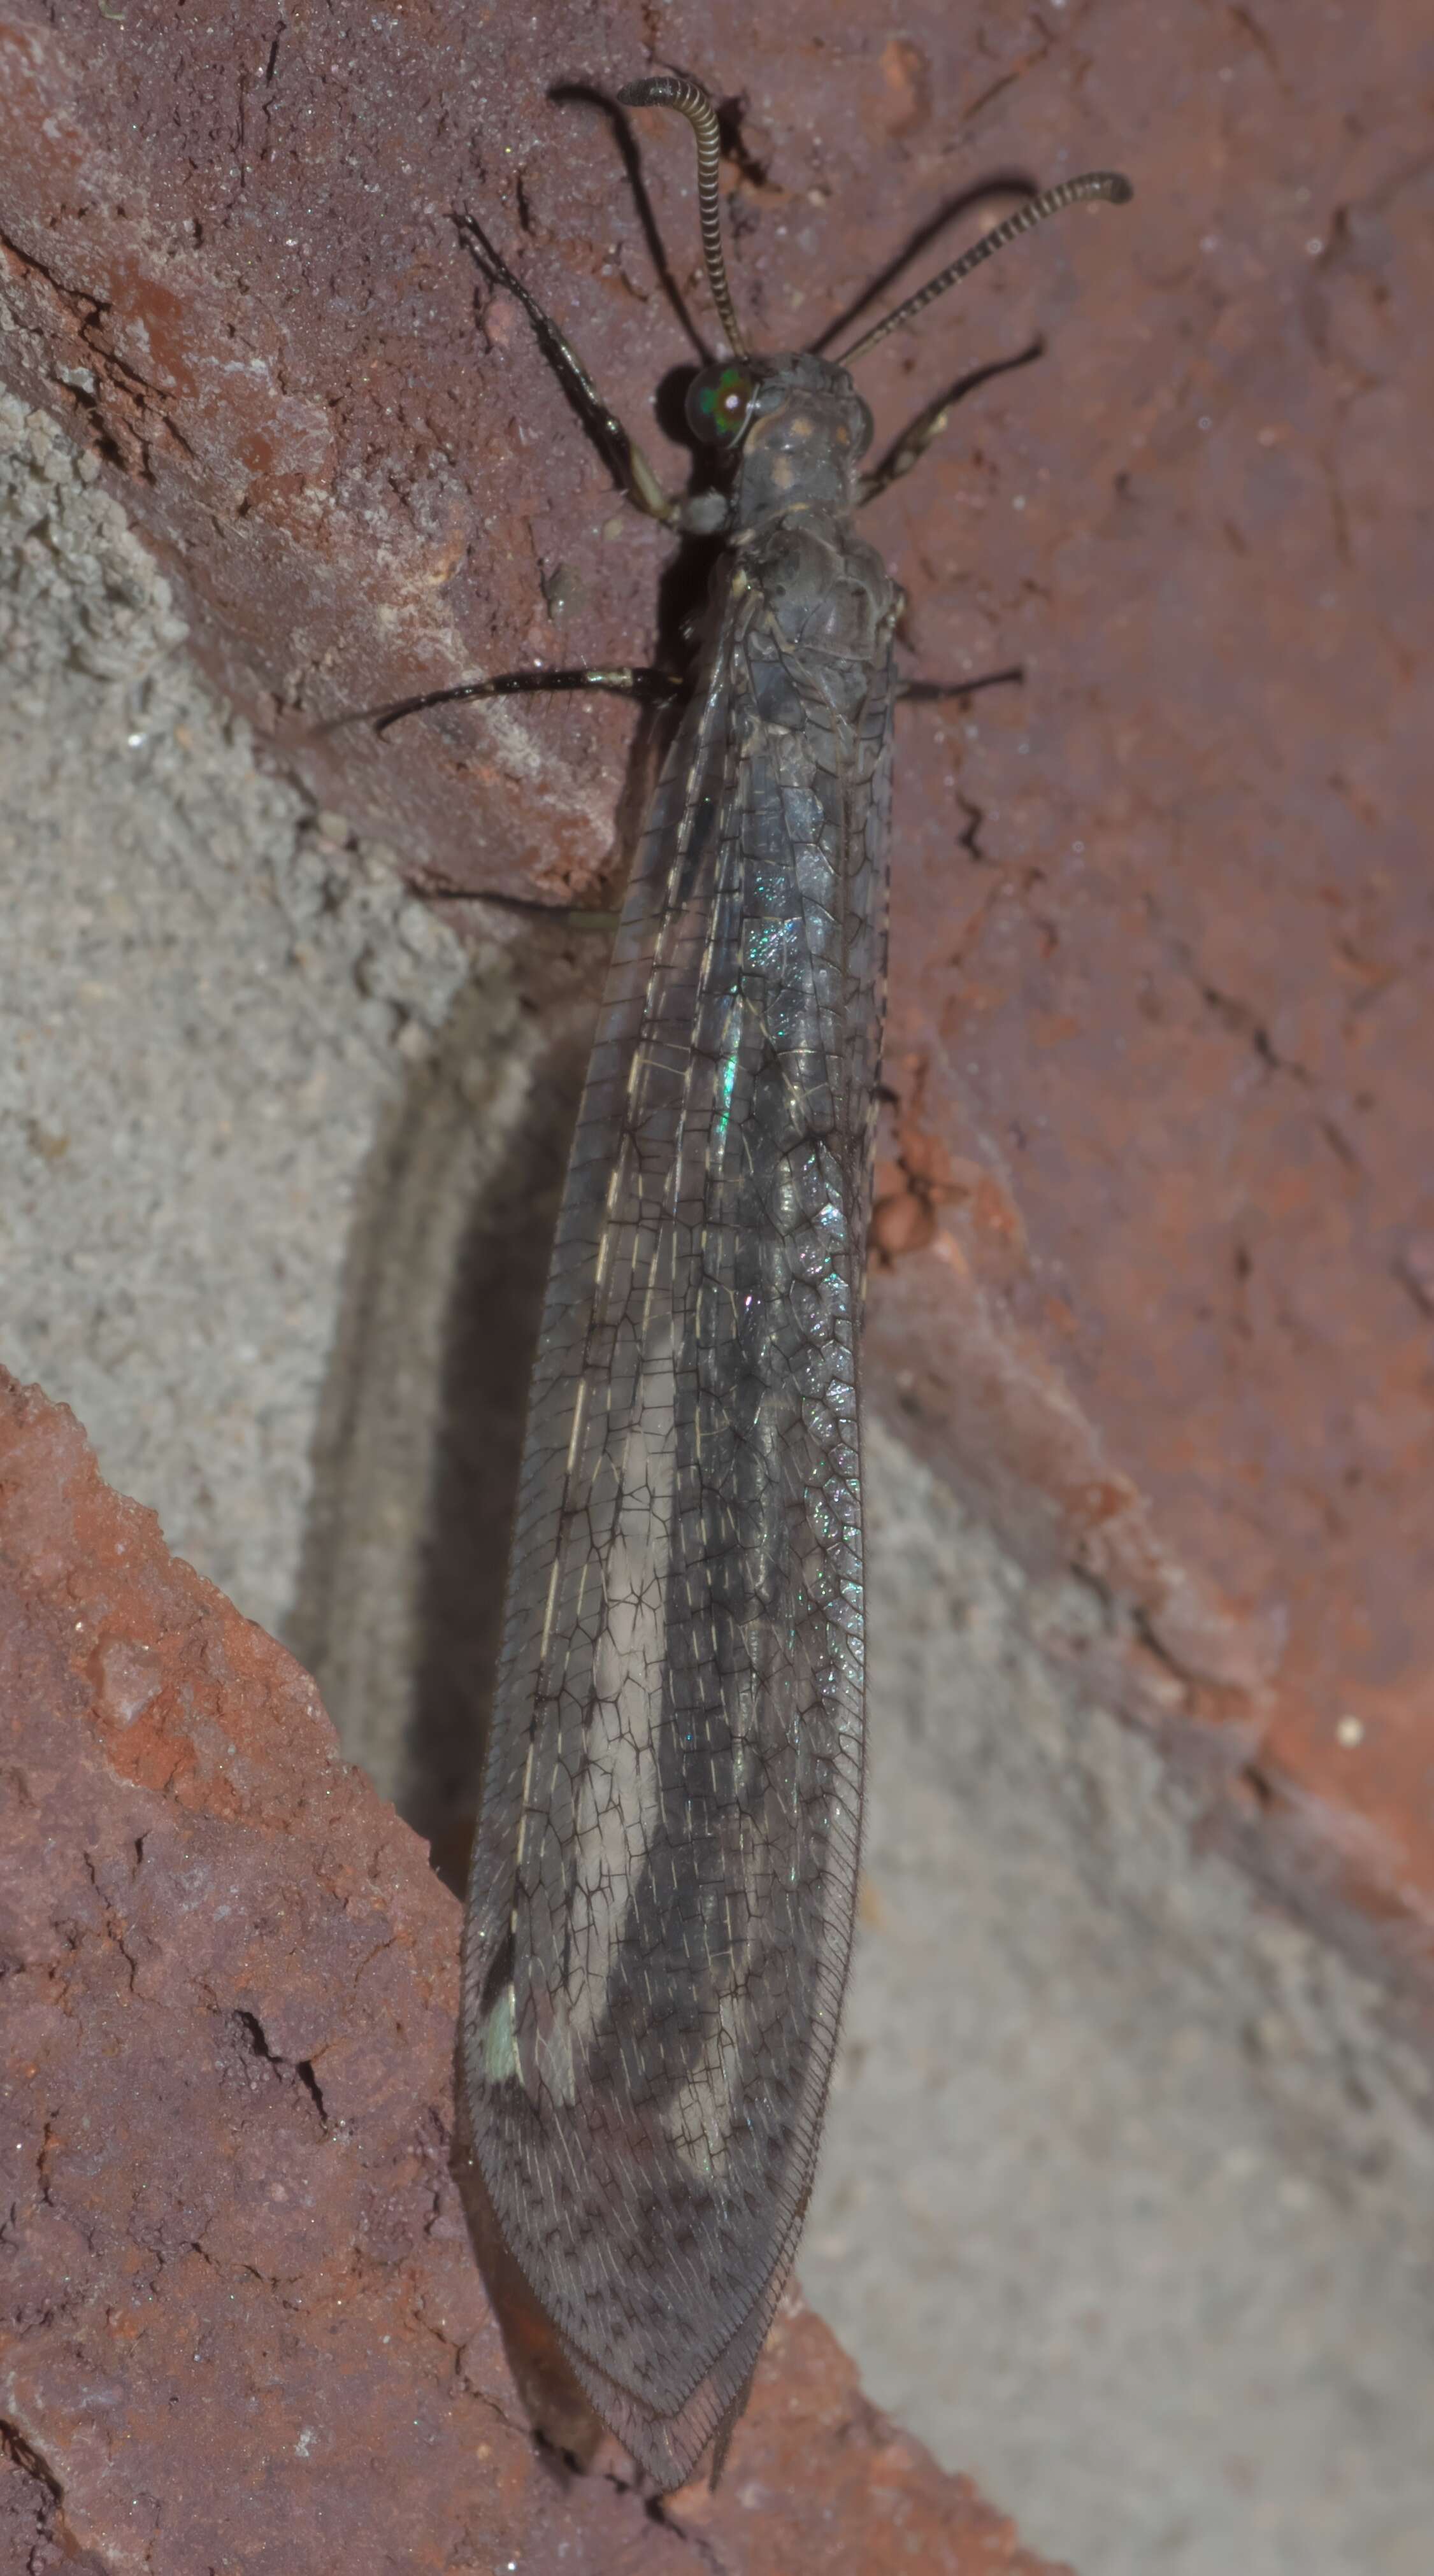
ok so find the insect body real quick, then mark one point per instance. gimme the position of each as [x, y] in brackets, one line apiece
[660, 1913]
[665, 1872]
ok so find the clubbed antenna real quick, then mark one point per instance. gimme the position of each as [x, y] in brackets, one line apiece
[691, 100]
[1070, 192]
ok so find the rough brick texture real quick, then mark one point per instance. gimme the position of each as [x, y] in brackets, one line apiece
[1156, 1193]
[241, 2324]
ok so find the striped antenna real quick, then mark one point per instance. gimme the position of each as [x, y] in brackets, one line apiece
[1109, 184]
[691, 100]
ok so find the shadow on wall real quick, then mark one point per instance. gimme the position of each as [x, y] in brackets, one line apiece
[415, 1466]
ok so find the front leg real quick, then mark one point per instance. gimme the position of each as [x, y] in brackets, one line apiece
[630, 468]
[914, 441]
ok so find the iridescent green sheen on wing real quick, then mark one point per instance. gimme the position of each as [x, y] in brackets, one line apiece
[665, 1874]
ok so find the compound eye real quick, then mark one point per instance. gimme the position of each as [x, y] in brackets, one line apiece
[719, 402]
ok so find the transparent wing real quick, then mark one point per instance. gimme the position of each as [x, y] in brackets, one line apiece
[664, 1879]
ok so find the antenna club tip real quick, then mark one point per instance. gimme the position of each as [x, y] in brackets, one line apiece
[657, 92]
[1121, 188]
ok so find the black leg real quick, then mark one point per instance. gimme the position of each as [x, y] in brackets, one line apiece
[572, 917]
[620, 450]
[927, 692]
[928, 424]
[654, 688]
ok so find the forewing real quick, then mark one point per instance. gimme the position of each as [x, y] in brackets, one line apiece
[665, 1872]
